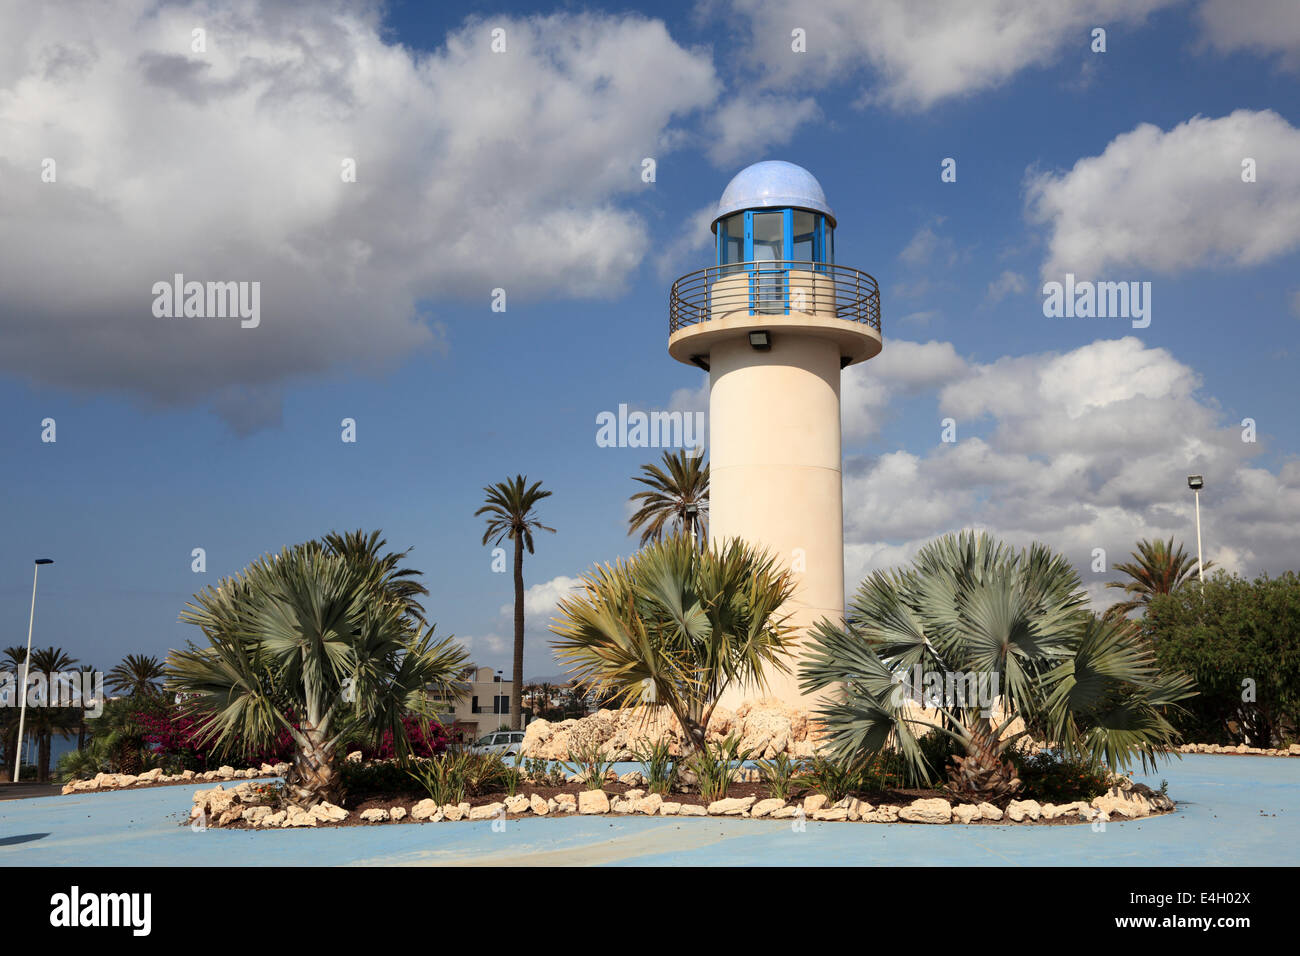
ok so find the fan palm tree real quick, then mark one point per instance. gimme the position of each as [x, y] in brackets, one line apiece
[509, 509]
[1015, 622]
[137, 675]
[367, 550]
[310, 642]
[678, 497]
[677, 627]
[1156, 568]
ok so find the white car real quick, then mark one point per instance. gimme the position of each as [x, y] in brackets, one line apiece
[506, 743]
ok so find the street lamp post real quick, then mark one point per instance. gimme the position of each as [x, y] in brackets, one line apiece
[1196, 483]
[498, 697]
[27, 669]
[692, 519]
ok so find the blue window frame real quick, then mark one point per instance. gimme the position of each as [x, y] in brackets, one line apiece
[769, 288]
[731, 240]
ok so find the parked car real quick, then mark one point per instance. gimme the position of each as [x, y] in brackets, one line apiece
[503, 742]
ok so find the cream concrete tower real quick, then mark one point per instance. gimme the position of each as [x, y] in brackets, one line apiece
[773, 321]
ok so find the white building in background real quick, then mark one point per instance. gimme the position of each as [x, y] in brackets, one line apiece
[483, 704]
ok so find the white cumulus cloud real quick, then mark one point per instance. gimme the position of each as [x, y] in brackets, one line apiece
[1174, 200]
[1263, 26]
[1081, 450]
[919, 52]
[475, 170]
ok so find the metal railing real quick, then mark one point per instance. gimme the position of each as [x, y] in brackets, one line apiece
[774, 287]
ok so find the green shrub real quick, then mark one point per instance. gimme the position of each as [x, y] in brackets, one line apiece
[590, 764]
[1053, 777]
[833, 778]
[657, 765]
[378, 777]
[79, 765]
[543, 773]
[779, 775]
[457, 774]
[442, 778]
[511, 779]
[1226, 632]
[937, 750]
[879, 771]
[485, 773]
[714, 766]
[887, 770]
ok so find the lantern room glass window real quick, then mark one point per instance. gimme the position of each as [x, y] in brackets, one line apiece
[769, 236]
[766, 235]
[804, 226]
[731, 239]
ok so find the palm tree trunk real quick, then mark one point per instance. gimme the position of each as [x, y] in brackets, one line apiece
[312, 779]
[43, 757]
[516, 688]
[11, 748]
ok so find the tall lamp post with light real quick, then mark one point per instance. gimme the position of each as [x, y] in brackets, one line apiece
[498, 697]
[692, 518]
[27, 669]
[1196, 483]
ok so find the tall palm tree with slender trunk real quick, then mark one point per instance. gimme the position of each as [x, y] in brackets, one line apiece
[677, 499]
[47, 720]
[83, 731]
[1156, 568]
[13, 662]
[137, 675]
[509, 509]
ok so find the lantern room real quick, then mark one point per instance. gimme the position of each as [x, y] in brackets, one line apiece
[774, 211]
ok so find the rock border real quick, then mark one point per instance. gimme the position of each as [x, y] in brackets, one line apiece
[103, 782]
[1238, 749]
[1125, 801]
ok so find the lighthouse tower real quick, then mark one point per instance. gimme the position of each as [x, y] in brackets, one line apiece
[773, 321]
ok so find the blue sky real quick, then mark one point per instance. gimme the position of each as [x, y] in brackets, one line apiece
[520, 170]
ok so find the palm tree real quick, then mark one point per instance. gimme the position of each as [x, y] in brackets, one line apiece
[116, 741]
[1015, 622]
[316, 644]
[678, 497]
[13, 662]
[677, 627]
[137, 675]
[509, 509]
[1156, 569]
[367, 550]
[83, 731]
[47, 720]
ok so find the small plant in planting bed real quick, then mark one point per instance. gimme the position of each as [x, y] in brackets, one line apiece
[590, 764]
[657, 765]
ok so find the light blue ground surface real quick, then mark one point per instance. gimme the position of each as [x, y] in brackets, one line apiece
[1232, 811]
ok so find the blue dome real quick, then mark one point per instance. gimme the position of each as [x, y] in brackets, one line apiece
[773, 183]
